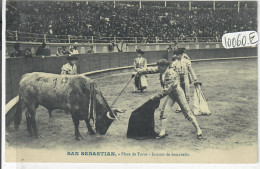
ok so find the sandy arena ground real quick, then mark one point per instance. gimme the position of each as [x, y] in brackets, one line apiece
[230, 88]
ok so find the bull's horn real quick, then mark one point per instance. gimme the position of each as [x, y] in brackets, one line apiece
[108, 115]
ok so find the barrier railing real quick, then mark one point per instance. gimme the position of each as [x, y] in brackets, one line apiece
[33, 37]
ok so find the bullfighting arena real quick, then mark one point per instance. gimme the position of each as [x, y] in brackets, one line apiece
[230, 87]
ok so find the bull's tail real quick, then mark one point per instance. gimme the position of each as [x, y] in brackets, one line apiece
[19, 109]
[18, 114]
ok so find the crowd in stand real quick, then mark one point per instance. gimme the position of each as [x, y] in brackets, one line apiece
[124, 19]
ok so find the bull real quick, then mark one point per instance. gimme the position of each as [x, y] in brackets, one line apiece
[77, 94]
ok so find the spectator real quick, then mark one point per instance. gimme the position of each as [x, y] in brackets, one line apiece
[91, 50]
[138, 49]
[127, 20]
[73, 50]
[169, 52]
[6, 52]
[59, 51]
[111, 47]
[28, 53]
[64, 51]
[18, 52]
[43, 50]
[82, 50]
[123, 46]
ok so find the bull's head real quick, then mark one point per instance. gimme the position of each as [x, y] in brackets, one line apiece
[104, 114]
[104, 121]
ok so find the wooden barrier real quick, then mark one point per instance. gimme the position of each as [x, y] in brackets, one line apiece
[103, 47]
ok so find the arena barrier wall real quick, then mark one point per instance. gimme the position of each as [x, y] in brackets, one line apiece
[100, 64]
[103, 47]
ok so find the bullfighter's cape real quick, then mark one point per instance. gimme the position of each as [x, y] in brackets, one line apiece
[200, 103]
[141, 122]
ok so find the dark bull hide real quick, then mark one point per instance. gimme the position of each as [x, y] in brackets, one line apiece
[75, 94]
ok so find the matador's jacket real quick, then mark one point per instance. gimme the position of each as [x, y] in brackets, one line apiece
[184, 55]
[172, 90]
[68, 69]
[184, 70]
[140, 63]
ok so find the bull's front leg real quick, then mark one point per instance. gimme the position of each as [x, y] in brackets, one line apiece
[29, 123]
[76, 125]
[50, 114]
[31, 111]
[90, 129]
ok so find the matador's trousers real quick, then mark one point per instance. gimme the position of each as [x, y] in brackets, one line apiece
[185, 85]
[176, 95]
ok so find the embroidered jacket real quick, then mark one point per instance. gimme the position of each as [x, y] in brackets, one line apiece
[67, 69]
[183, 67]
[169, 79]
[140, 63]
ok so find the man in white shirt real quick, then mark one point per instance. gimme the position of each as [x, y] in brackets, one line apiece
[70, 68]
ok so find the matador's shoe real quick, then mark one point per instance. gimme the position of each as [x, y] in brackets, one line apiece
[161, 136]
[199, 136]
[178, 111]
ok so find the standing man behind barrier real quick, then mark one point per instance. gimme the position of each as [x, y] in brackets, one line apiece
[43, 50]
[18, 52]
[169, 52]
[182, 67]
[173, 92]
[140, 81]
[91, 50]
[70, 68]
[73, 50]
